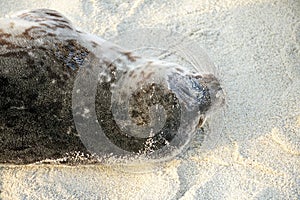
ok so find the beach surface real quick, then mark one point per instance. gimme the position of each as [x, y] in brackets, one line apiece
[252, 150]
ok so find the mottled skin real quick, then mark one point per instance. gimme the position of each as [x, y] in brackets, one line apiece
[36, 78]
[40, 55]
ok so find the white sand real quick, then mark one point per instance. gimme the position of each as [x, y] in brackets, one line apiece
[256, 46]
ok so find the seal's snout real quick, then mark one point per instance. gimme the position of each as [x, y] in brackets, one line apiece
[214, 87]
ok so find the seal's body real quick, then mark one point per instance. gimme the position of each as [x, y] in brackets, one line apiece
[41, 55]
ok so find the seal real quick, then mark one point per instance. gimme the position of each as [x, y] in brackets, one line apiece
[64, 91]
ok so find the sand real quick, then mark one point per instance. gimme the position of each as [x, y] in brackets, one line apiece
[253, 154]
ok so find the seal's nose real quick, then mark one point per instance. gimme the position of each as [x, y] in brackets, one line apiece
[213, 87]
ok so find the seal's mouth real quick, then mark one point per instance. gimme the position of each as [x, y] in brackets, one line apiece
[211, 95]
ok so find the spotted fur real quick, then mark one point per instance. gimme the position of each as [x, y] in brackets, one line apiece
[41, 53]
